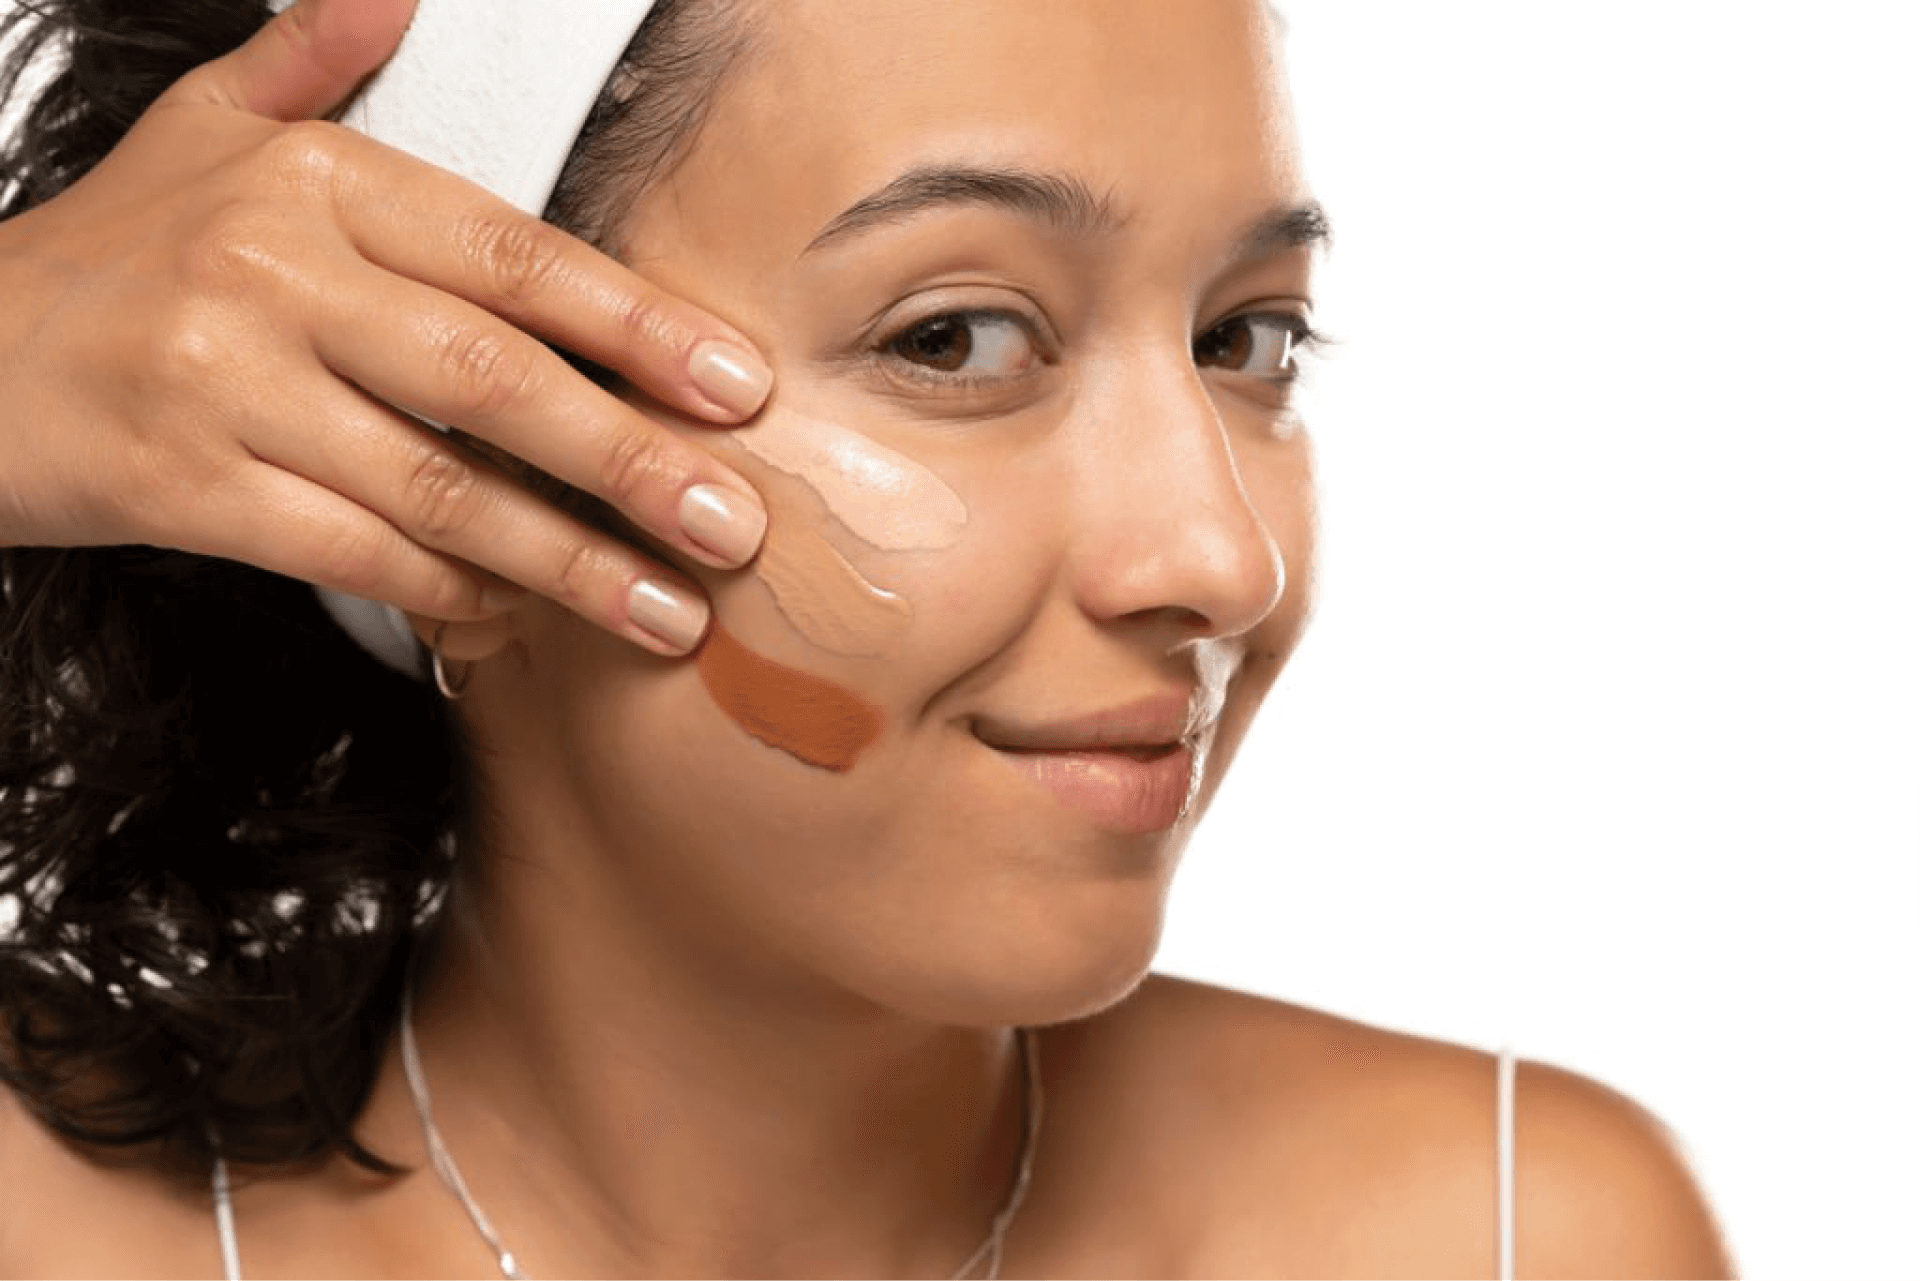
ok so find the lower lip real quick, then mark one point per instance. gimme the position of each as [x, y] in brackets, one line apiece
[1122, 793]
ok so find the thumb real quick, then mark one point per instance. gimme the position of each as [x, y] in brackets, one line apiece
[304, 62]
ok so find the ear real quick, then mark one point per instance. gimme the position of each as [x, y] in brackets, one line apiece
[465, 642]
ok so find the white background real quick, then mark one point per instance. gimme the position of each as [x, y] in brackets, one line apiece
[1606, 739]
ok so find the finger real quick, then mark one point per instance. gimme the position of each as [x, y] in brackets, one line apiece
[303, 62]
[447, 360]
[285, 524]
[543, 280]
[444, 499]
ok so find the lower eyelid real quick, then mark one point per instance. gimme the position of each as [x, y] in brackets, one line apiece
[906, 374]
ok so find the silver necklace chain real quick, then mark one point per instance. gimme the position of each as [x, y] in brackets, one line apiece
[991, 1249]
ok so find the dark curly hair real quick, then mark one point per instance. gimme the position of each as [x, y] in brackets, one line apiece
[224, 829]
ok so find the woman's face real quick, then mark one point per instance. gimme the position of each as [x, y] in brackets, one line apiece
[1029, 459]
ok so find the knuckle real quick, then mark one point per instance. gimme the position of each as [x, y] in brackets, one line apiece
[573, 585]
[638, 464]
[298, 27]
[234, 252]
[190, 347]
[518, 255]
[450, 594]
[354, 560]
[442, 495]
[648, 320]
[306, 155]
[485, 371]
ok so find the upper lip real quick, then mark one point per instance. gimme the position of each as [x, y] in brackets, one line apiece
[1159, 720]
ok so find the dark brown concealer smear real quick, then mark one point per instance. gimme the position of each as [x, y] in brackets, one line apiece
[806, 716]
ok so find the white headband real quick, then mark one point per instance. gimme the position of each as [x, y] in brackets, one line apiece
[496, 91]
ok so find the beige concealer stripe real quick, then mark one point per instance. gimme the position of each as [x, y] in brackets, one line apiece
[883, 497]
[825, 598]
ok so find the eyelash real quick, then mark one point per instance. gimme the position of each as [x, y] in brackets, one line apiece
[1304, 339]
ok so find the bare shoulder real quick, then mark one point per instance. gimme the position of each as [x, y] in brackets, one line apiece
[64, 1215]
[1289, 1141]
[1603, 1187]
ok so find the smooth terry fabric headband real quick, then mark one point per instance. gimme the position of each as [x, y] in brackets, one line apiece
[496, 91]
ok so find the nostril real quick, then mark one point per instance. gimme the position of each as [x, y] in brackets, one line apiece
[1177, 618]
[1225, 594]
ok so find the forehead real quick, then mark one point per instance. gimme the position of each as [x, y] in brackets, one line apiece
[1170, 107]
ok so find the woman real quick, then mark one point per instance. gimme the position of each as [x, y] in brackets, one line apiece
[726, 970]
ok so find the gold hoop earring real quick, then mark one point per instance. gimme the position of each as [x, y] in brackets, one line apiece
[447, 688]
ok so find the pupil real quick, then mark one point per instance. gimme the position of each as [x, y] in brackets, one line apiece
[1229, 344]
[944, 343]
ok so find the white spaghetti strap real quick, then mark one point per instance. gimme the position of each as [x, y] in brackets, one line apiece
[223, 1218]
[1504, 1140]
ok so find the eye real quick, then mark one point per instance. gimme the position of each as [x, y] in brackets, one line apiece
[963, 348]
[1263, 343]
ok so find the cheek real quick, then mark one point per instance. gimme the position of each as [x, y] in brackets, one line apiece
[979, 596]
[690, 764]
[661, 763]
[827, 647]
[878, 571]
[809, 717]
[819, 591]
[1280, 484]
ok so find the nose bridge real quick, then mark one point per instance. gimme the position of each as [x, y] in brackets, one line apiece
[1164, 519]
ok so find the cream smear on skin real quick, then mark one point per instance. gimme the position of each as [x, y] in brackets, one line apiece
[884, 498]
[820, 592]
[1214, 665]
[880, 496]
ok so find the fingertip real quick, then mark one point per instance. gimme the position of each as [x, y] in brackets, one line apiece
[351, 38]
[733, 378]
[667, 618]
[728, 522]
[306, 60]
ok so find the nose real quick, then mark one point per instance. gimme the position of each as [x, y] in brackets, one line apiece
[1165, 525]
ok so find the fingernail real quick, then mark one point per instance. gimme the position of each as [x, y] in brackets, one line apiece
[675, 618]
[730, 375]
[724, 521]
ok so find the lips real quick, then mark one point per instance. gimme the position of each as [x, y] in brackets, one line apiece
[1131, 753]
[1129, 792]
[1130, 768]
[1158, 722]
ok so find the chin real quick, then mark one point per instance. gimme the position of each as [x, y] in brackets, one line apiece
[1035, 968]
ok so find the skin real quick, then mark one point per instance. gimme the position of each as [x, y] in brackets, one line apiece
[669, 1033]
[356, 278]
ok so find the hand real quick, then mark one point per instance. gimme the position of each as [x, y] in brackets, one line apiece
[205, 337]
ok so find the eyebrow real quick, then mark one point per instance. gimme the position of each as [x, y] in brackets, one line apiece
[1061, 200]
[1299, 227]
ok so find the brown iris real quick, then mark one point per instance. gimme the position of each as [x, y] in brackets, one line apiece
[944, 342]
[1229, 343]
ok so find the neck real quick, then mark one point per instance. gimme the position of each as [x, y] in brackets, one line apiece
[620, 1099]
